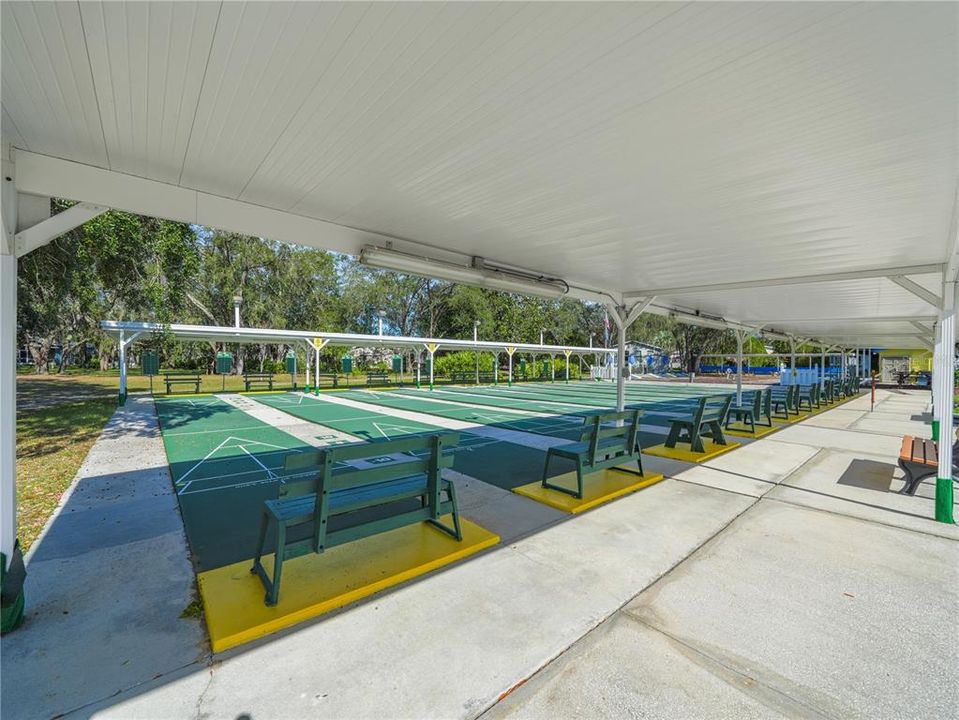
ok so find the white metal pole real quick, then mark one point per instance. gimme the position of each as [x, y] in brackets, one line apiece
[509, 377]
[308, 359]
[123, 368]
[621, 367]
[475, 349]
[8, 399]
[431, 369]
[946, 384]
[739, 367]
[792, 361]
[316, 371]
[552, 367]
[822, 367]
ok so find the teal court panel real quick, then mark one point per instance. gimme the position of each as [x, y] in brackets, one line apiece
[224, 464]
[556, 425]
[497, 462]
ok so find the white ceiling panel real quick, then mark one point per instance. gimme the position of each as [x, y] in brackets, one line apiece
[621, 146]
[47, 88]
[148, 61]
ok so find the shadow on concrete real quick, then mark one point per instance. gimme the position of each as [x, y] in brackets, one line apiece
[868, 475]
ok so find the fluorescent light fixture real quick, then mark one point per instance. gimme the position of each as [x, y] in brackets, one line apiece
[479, 273]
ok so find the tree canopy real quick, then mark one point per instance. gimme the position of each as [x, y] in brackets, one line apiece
[127, 267]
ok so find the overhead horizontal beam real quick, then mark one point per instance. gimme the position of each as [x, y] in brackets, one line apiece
[223, 333]
[43, 175]
[837, 321]
[791, 280]
[916, 289]
[43, 232]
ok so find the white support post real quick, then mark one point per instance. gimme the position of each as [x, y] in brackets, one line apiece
[792, 361]
[740, 337]
[309, 348]
[945, 383]
[8, 401]
[316, 370]
[124, 341]
[621, 367]
[509, 376]
[822, 367]
[13, 613]
[552, 367]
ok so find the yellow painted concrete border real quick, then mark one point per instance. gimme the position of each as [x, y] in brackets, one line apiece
[681, 451]
[316, 584]
[743, 430]
[598, 488]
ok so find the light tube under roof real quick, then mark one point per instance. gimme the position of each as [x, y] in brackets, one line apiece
[486, 276]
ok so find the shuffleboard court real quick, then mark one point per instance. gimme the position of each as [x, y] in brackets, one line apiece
[554, 424]
[224, 465]
[659, 406]
[476, 395]
[497, 462]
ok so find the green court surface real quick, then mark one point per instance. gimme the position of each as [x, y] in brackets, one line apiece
[659, 404]
[224, 464]
[497, 462]
[424, 401]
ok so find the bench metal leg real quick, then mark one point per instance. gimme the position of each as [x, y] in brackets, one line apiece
[696, 440]
[716, 432]
[273, 592]
[675, 430]
[456, 531]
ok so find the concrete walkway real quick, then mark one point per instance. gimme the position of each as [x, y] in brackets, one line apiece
[783, 579]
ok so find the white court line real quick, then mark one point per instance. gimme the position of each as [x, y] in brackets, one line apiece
[441, 401]
[269, 473]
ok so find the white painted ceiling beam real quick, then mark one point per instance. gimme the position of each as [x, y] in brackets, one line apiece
[916, 289]
[43, 175]
[865, 319]
[43, 232]
[863, 274]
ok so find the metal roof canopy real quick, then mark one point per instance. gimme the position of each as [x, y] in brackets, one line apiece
[766, 164]
[776, 166]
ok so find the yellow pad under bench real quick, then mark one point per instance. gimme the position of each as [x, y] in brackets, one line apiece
[742, 430]
[684, 453]
[316, 584]
[598, 488]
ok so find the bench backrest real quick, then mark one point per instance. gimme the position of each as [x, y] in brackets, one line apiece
[258, 375]
[314, 471]
[712, 408]
[601, 426]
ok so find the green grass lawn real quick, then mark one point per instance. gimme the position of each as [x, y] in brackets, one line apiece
[51, 444]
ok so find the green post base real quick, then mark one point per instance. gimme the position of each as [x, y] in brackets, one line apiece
[944, 502]
[307, 389]
[12, 575]
[122, 399]
[935, 430]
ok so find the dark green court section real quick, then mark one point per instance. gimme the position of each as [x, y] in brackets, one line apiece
[224, 464]
[658, 407]
[497, 462]
[424, 401]
[477, 396]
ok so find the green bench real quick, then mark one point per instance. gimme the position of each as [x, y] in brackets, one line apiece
[462, 377]
[377, 377]
[608, 439]
[182, 379]
[710, 414]
[332, 377]
[785, 397]
[810, 395]
[756, 404]
[351, 478]
[252, 379]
